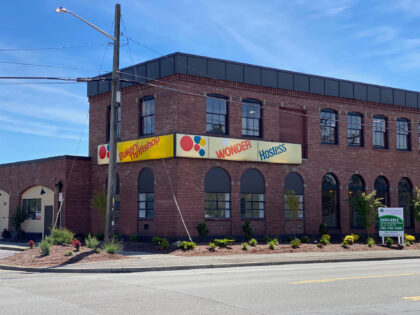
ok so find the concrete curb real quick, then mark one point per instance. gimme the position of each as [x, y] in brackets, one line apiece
[198, 266]
[15, 248]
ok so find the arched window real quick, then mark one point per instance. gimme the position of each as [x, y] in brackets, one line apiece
[217, 194]
[216, 114]
[252, 194]
[403, 134]
[329, 124]
[330, 201]
[251, 118]
[405, 195]
[382, 190]
[147, 116]
[146, 190]
[293, 188]
[380, 132]
[356, 187]
[355, 129]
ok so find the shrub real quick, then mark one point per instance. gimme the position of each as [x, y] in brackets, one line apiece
[112, 247]
[370, 242]
[349, 239]
[409, 238]
[271, 245]
[295, 243]
[222, 243]
[184, 245]
[91, 242]
[323, 229]
[245, 246]
[31, 244]
[212, 247]
[276, 241]
[62, 236]
[253, 242]
[68, 253]
[49, 239]
[267, 239]
[319, 245]
[407, 243]
[97, 250]
[45, 248]
[76, 243]
[161, 241]
[202, 230]
[5, 234]
[133, 238]
[389, 241]
[306, 239]
[345, 244]
[325, 239]
[249, 233]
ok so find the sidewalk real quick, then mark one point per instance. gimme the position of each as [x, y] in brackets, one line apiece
[141, 262]
[16, 246]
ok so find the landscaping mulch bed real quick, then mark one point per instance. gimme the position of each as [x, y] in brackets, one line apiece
[34, 258]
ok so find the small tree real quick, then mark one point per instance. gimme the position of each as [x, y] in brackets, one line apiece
[18, 218]
[249, 233]
[202, 230]
[98, 202]
[415, 203]
[292, 202]
[366, 206]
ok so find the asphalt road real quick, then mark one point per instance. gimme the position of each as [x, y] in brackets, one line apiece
[387, 287]
[6, 253]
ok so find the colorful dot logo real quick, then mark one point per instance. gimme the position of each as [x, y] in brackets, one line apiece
[104, 151]
[195, 143]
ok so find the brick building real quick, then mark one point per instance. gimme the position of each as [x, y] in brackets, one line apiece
[229, 142]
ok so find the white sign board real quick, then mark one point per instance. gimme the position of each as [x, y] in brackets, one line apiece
[391, 222]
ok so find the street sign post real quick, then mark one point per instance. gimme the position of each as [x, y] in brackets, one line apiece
[391, 223]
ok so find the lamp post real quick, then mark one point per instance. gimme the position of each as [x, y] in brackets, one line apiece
[113, 122]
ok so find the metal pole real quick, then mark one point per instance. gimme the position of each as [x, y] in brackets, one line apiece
[112, 169]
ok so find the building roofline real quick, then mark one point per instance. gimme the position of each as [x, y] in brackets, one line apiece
[49, 159]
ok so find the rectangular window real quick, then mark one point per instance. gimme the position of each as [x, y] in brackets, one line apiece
[251, 119]
[288, 212]
[217, 205]
[216, 115]
[354, 130]
[252, 206]
[403, 135]
[147, 117]
[33, 208]
[379, 133]
[329, 127]
[146, 205]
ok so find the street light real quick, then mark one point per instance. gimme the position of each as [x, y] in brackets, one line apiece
[113, 125]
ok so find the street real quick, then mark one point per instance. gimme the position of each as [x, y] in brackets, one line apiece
[386, 287]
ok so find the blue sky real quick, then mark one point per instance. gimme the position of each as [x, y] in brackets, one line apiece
[363, 40]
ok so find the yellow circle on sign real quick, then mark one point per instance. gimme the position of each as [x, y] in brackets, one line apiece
[202, 142]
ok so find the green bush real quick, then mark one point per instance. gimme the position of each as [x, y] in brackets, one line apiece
[306, 239]
[184, 245]
[346, 243]
[370, 242]
[245, 246]
[253, 242]
[267, 239]
[49, 239]
[323, 229]
[133, 238]
[325, 239]
[212, 247]
[272, 245]
[202, 230]
[91, 242]
[62, 236]
[409, 238]
[97, 250]
[112, 247]
[295, 243]
[407, 243]
[319, 245]
[69, 253]
[389, 241]
[222, 243]
[249, 233]
[161, 241]
[276, 241]
[45, 248]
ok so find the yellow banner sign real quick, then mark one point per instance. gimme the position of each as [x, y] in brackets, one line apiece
[141, 149]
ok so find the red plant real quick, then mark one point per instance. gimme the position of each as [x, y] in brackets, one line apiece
[76, 243]
[31, 244]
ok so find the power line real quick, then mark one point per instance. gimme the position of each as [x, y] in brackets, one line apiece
[51, 48]
[48, 66]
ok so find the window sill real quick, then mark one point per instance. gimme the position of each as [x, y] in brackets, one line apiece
[355, 146]
[253, 219]
[328, 143]
[218, 219]
[380, 148]
[145, 219]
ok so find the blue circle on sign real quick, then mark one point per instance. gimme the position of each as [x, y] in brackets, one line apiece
[197, 139]
[201, 152]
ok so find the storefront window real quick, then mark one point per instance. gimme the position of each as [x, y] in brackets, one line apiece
[146, 191]
[405, 195]
[217, 194]
[330, 201]
[356, 187]
[293, 187]
[252, 195]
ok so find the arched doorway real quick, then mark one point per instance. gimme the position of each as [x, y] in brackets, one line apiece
[4, 211]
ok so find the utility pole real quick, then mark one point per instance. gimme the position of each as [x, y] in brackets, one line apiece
[112, 167]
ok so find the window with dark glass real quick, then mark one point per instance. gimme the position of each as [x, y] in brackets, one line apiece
[118, 122]
[147, 116]
[146, 191]
[293, 188]
[32, 207]
[355, 129]
[356, 187]
[216, 114]
[252, 195]
[405, 196]
[380, 132]
[251, 118]
[329, 128]
[382, 190]
[330, 201]
[217, 194]
[403, 134]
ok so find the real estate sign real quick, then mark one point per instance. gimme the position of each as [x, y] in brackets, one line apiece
[391, 222]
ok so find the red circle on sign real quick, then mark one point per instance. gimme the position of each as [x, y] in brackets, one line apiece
[107, 154]
[196, 147]
[186, 143]
[102, 152]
